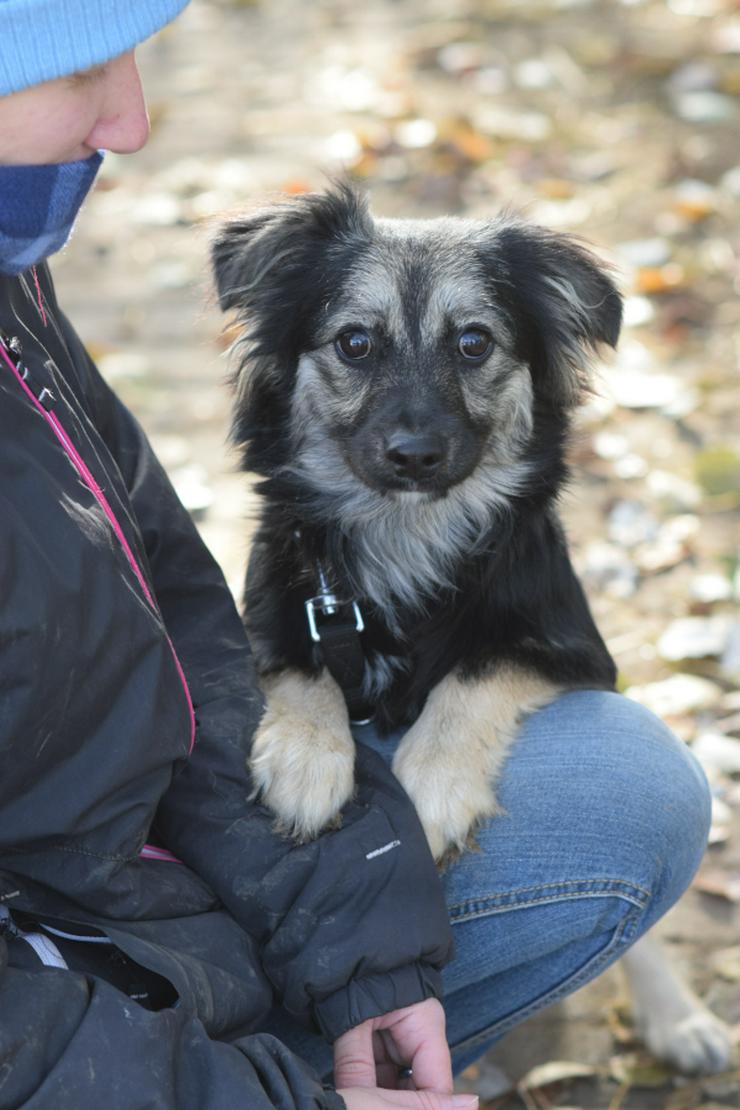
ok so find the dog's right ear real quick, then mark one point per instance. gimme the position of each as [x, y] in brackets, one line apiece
[562, 300]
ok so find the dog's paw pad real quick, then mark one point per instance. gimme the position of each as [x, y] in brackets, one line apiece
[698, 1044]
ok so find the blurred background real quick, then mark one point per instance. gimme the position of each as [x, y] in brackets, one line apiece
[617, 121]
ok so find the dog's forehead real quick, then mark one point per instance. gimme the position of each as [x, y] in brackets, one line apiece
[425, 273]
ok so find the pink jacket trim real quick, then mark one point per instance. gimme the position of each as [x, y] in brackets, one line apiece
[102, 500]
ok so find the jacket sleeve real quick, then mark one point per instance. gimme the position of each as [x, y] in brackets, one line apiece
[68, 1041]
[350, 926]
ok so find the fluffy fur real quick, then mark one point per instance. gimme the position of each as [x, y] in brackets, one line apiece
[424, 481]
[473, 614]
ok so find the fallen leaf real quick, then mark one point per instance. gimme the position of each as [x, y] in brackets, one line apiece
[720, 883]
[695, 200]
[555, 1071]
[637, 1069]
[718, 470]
[660, 279]
[726, 963]
[619, 1020]
[556, 188]
[295, 186]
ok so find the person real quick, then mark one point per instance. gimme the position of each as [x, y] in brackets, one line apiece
[160, 944]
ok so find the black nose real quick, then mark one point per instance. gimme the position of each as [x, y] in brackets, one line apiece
[415, 455]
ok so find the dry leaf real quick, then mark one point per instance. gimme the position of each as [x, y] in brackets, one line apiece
[471, 1073]
[295, 186]
[637, 1069]
[660, 279]
[556, 188]
[555, 1071]
[724, 884]
[619, 1020]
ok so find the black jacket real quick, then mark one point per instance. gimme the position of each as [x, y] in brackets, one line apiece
[95, 731]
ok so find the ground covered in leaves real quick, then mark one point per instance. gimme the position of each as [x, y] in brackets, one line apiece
[618, 121]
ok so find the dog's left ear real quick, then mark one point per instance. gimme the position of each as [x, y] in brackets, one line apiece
[229, 248]
[562, 301]
[283, 249]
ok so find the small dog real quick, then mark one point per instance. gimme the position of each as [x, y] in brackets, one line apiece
[405, 391]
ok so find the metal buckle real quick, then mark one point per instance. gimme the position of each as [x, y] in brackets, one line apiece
[328, 604]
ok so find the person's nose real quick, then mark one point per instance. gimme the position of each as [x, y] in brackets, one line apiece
[122, 125]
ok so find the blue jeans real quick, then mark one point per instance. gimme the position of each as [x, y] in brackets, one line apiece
[606, 819]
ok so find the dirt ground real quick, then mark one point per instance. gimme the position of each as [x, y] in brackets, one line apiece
[618, 121]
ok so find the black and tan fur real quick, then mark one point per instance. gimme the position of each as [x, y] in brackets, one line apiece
[424, 481]
[426, 485]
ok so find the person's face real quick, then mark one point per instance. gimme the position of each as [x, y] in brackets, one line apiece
[72, 117]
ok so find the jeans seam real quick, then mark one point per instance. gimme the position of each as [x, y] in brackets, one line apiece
[547, 892]
[623, 932]
[572, 882]
[547, 899]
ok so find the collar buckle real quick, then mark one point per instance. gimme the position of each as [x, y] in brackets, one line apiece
[327, 605]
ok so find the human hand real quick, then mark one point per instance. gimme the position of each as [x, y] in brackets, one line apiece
[375, 1053]
[365, 1098]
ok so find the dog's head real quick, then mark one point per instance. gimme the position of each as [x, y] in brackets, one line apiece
[415, 349]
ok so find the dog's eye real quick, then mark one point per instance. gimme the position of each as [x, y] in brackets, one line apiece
[475, 344]
[354, 344]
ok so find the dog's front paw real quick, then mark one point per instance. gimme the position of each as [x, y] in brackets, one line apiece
[302, 771]
[696, 1044]
[451, 799]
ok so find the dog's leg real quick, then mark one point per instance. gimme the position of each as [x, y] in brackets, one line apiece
[671, 1021]
[303, 754]
[450, 758]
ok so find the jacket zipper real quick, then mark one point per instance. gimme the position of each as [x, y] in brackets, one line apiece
[44, 400]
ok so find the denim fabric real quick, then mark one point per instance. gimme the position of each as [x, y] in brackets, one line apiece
[606, 819]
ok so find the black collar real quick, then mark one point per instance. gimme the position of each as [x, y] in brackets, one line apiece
[335, 625]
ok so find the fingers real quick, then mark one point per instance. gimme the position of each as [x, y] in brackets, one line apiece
[432, 1065]
[354, 1060]
[419, 1036]
[371, 1054]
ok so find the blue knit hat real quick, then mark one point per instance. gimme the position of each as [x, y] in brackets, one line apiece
[44, 39]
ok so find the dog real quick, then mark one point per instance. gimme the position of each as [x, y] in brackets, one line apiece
[405, 392]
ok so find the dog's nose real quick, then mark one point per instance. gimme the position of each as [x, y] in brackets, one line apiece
[415, 455]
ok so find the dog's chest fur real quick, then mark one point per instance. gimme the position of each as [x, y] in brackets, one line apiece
[428, 603]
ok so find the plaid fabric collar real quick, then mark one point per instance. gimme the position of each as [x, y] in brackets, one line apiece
[38, 208]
